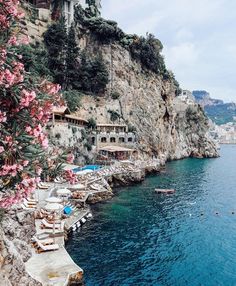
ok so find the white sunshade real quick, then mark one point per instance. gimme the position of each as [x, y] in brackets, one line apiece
[53, 200]
[77, 187]
[63, 192]
[84, 172]
[53, 207]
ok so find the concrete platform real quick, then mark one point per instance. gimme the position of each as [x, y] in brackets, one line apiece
[53, 268]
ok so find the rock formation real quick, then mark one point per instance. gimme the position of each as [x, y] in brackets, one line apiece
[16, 231]
[166, 127]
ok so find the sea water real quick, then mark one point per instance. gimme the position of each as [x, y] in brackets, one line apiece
[143, 238]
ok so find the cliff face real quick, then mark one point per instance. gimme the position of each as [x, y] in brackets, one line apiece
[16, 230]
[165, 126]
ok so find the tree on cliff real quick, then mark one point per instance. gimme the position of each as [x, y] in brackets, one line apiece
[55, 40]
[99, 75]
[72, 53]
[25, 108]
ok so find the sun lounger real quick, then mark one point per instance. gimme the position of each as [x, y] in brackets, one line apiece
[46, 241]
[43, 248]
[43, 186]
[45, 224]
[26, 207]
[59, 180]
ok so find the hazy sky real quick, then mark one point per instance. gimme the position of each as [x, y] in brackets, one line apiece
[199, 38]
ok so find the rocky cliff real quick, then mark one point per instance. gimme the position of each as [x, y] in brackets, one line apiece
[165, 127]
[16, 230]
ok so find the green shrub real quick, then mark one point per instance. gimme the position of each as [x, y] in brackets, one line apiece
[88, 146]
[105, 31]
[115, 95]
[84, 134]
[72, 98]
[131, 128]
[34, 58]
[114, 115]
[92, 123]
[148, 51]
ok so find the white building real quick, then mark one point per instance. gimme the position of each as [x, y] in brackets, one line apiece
[187, 97]
[68, 8]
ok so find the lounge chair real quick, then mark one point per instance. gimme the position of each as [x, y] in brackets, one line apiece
[46, 241]
[45, 224]
[26, 207]
[44, 248]
[29, 203]
[42, 186]
[59, 180]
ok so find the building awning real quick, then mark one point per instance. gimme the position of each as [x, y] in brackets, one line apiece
[113, 149]
[111, 125]
[76, 118]
[60, 110]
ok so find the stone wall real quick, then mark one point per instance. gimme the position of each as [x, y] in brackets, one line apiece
[36, 22]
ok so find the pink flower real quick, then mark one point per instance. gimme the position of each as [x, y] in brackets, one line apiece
[3, 117]
[13, 41]
[2, 149]
[27, 97]
[25, 163]
[45, 143]
[70, 158]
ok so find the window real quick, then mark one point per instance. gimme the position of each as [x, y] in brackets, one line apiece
[113, 140]
[130, 139]
[68, 12]
[103, 139]
[121, 140]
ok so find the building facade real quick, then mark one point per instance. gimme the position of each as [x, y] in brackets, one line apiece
[113, 134]
[67, 7]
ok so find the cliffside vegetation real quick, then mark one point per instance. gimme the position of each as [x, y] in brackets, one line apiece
[59, 59]
[147, 50]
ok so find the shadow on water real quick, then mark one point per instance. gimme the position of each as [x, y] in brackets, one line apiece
[141, 238]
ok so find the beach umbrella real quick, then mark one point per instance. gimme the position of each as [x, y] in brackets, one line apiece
[63, 192]
[53, 200]
[77, 187]
[84, 172]
[52, 207]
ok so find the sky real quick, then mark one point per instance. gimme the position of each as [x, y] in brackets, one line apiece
[199, 38]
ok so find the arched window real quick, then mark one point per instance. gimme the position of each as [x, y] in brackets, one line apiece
[121, 140]
[113, 140]
[130, 139]
[103, 139]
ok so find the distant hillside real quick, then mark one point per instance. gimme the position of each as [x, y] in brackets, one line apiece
[203, 98]
[218, 111]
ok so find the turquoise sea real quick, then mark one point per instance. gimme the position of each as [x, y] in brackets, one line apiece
[142, 238]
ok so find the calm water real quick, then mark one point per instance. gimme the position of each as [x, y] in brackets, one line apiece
[141, 238]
